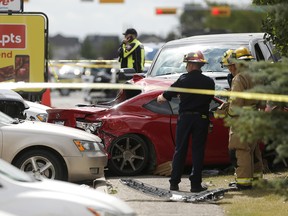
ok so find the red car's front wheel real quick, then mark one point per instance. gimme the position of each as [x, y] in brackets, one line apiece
[129, 155]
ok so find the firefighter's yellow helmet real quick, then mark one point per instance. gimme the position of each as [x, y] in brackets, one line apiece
[224, 62]
[242, 53]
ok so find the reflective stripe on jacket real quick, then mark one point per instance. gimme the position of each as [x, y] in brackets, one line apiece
[244, 181]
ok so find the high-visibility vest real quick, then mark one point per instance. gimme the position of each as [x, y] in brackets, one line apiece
[132, 56]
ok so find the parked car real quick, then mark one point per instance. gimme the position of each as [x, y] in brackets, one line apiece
[65, 72]
[139, 134]
[22, 194]
[36, 111]
[51, 151]
[99, 72]
[15, 106]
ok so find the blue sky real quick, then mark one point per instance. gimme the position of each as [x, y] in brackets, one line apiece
[75, 18]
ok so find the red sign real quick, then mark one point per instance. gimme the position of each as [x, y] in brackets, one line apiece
[12, 36]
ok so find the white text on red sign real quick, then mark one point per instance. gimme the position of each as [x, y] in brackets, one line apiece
[12, 36]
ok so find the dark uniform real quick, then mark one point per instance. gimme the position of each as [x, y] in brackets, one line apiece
[193, 120]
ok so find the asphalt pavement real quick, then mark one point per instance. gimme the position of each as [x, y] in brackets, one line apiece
[143, 204]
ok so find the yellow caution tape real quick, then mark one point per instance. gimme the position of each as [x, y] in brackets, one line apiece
[85, 63]
[58, 85]
[88, 63]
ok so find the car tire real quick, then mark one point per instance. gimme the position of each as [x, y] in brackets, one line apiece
[46, 164]
[128, 155]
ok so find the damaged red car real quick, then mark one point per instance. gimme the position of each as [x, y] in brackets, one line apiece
[139, 133]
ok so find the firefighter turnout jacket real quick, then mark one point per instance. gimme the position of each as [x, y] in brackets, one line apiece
[245, 152]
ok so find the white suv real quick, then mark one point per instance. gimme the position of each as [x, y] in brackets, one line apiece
[168, 63]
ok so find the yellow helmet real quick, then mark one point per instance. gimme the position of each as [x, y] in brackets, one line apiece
[224, 62]
[242, 53]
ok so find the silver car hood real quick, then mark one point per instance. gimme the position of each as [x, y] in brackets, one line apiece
[33, 127]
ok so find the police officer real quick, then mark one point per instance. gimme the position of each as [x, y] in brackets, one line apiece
[248, 161]
[131, 51]
[193, 120]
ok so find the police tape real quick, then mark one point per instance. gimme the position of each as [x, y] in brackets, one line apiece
[85, 63]
[245, 95]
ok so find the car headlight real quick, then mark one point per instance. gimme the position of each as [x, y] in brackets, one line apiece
[42, 117]
[88, 127]
[84, 145]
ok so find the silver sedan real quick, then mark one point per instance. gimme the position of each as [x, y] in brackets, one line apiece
[51, 151]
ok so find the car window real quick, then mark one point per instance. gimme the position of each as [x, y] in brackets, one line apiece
[174, 103]
[170, 59]
[265, 51]
[150, 53]
[214, 105]
[151, 50]
[172, 107]
[158, 108]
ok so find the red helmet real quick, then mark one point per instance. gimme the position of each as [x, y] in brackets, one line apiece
[196, 57]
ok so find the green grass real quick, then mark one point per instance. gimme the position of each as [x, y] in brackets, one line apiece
[255, 202]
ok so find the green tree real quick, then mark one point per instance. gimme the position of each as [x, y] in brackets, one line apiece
[87, 50]
[198, 20]
[270, 127]
[275, 22]
[238, 21]
[109, 49]
[192, 20]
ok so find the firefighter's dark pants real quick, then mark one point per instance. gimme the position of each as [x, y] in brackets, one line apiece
[195, 124]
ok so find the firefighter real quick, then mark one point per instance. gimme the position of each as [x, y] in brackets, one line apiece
[131, 51]
[248, 159]
[193, 120]
[224, 63]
